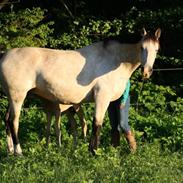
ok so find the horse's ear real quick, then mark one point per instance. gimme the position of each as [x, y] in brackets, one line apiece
[158, 33]
[143, 32]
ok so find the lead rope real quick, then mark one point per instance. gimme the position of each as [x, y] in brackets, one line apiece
[137, 103]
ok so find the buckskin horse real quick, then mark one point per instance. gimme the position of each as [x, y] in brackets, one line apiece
[96, 73]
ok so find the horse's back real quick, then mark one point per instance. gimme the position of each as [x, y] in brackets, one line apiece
[67, 76]
[48, 71]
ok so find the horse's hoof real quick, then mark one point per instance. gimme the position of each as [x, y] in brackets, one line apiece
[91, 149]
[10, 153]
[93, 152]
[17, 150]
[18, 154]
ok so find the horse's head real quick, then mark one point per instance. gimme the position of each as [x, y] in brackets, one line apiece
[149, 48]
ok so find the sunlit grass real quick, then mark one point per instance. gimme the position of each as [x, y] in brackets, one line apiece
[151, 163]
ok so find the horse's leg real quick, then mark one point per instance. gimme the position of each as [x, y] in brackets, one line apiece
[48, 128]
[70, 115]
[15, 109]
[10, 147]
[82, 120]
[101, 104]
[57, 124]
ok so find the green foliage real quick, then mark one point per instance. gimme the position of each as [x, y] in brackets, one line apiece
[82, 32]
[156, 115]
[24, 28]
[170, 61]
[168, 18]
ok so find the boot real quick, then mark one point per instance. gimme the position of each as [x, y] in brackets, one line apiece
[131, 141]
[115, 138]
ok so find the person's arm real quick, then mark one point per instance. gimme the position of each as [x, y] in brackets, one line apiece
[125, 95]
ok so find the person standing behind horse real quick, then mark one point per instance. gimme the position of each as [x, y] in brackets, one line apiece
[118, 112]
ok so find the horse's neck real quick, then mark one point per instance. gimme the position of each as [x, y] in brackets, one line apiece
[125, 57]
[129, 57]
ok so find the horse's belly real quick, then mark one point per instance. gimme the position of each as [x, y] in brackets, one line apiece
[66, 93]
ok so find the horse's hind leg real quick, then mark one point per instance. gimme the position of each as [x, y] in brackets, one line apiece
[82, 120]
[16, 102]
[70, 115]
[10, 147]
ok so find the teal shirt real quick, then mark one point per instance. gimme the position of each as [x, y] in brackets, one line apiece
[125, 95]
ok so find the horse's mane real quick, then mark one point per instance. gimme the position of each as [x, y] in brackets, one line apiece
[123, 39]
[129, 38]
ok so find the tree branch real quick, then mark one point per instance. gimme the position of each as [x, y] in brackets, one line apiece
[66, 7]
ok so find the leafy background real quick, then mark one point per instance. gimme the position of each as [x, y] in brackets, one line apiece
[157, 104]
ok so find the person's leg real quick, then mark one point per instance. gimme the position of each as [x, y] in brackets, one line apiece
[113, 117]
[124, 125]
[124, 116]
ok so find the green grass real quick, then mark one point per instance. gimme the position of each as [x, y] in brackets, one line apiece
[154, 162]
[65, 164]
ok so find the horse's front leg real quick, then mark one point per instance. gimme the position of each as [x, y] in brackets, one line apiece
[48, 128]
[57, 124]
[101, 105]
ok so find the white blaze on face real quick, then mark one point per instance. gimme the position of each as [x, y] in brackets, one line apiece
[149, 52]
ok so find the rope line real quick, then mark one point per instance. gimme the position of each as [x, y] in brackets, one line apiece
[169, 69]
[137, 103]
[131, 104]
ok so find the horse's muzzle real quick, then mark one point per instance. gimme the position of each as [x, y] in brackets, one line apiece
[147, 72]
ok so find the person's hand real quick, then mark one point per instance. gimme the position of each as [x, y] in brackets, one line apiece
[121, 106]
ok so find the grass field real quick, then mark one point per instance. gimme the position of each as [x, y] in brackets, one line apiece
[152, 163]
[38, 164]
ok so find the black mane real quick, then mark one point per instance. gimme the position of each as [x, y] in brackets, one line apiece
[124, 38]
[129, 38]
